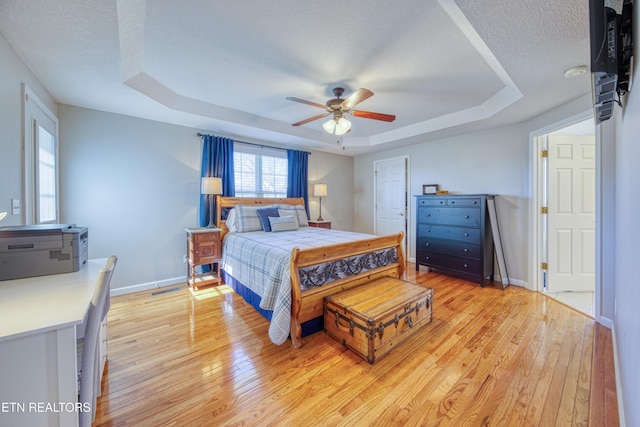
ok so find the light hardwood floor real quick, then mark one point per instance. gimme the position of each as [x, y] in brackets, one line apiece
[490, 357]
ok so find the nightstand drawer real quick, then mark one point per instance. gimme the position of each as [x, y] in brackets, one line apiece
[320, 224]
[205, 237]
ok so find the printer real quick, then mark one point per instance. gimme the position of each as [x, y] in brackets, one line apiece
[40, 250]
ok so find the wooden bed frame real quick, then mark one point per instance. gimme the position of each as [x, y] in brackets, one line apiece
[309, 304]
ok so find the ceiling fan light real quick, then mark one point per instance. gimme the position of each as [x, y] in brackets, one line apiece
[342, 126]
[329, 125]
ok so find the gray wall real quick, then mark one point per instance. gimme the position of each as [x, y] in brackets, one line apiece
[14, 73]
[627, 237]
[135, 183]
[492, 162]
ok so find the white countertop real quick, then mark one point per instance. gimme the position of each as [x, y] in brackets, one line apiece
[37, 304]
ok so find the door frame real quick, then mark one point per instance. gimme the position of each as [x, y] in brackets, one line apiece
[536, 141]
[407, 168]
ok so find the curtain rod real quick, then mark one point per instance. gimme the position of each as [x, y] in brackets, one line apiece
[257, 145]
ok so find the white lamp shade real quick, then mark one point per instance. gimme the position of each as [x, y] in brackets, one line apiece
[342, 126]
[319, 190]
[211, 185]
[329, 125]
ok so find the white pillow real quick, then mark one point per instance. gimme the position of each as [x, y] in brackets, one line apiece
[232, 221]
[283, 223]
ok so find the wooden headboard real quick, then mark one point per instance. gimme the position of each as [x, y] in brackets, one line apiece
[223, 204]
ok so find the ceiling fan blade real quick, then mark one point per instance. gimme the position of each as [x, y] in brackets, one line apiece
[302, 101]
[319, 116]
[356, 97]
[374, 116]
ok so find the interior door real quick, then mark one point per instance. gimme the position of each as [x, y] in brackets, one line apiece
[571, 217]
[391, 196]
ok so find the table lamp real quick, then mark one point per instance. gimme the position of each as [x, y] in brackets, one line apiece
[320, 190]
[211, 186]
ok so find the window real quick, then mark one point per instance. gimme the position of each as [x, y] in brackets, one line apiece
[46, 176]
[260, 172]
[41, 201]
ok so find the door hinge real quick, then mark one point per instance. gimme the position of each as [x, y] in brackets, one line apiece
[544, 266]
[544, 153]
[544, 210]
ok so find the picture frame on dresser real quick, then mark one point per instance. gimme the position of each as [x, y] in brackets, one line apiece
[429, 189]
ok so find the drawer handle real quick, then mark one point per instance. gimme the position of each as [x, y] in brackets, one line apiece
[427, 244]
[475, 202]
[441, 202]
[453, 202]
[466, 265]
[466, 234]
[466, 216]
[427, 257]
[466, 250]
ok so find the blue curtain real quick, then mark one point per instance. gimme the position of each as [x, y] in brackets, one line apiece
[297, 181]
[217, 161]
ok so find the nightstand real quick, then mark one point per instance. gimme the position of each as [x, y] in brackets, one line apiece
[203, 248]
[320, 224]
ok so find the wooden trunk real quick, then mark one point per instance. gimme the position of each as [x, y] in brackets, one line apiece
[373, 318]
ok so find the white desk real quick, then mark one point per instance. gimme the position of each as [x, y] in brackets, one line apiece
[38, 318]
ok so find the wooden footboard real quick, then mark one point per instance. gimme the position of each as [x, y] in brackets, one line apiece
[308, 304]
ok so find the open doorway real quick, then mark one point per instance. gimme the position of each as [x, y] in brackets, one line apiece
[567, 214]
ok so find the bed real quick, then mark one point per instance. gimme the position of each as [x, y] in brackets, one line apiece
[286, 275]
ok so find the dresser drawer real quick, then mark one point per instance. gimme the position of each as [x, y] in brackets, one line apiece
[469, 217]
[435, 260]
[428, 201]
[464, 202]
[463, 234]
[449, 247]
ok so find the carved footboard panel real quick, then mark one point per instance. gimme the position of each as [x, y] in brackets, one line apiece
[318, 272]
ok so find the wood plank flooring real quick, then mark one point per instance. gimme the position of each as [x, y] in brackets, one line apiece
[489, 358]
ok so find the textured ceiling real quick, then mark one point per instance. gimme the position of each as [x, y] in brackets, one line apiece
[443, 67]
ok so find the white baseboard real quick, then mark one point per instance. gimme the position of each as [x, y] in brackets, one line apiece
[616, 366]
[150, 285]
[606, 322]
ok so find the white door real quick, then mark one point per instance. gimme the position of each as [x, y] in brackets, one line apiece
[391, 196]
[571, 218]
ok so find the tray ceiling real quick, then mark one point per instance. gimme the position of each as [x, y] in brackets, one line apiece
[442, 67]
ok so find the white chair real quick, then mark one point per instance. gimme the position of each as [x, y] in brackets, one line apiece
[89, 368]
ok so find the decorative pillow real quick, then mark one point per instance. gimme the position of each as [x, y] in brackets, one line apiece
[283, 223]
[296, 210]
[264, 214]
[232, 221]
[248, 219]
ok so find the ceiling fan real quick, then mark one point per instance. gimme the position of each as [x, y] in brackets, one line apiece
[339, 107]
